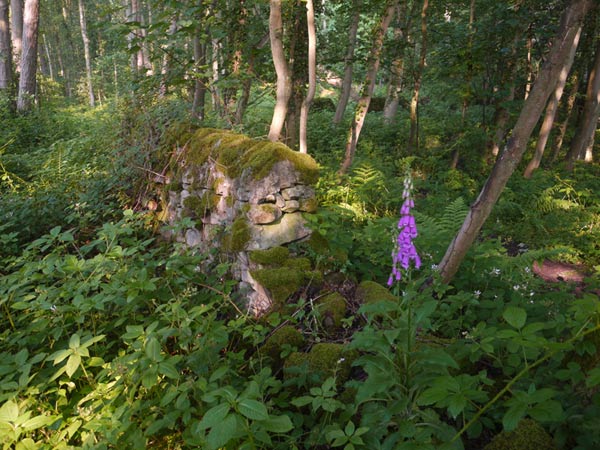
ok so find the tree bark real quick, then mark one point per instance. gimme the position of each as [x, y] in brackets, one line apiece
[589, 119]
[200, 82]
[517, 144]
[16, 23]
[86, 53]
[312, 74]
[368, 86]
[551, 109]
[284, 86]
[5, 49]
[27, 82]
[348, 64]
[562, 129]
[413, 135]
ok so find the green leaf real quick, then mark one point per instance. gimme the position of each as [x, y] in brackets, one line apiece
[168, 369]
[60, 355]
[456, 405]
[349, 429]
[222, 432]
[9, 412]
[277, 424]
[515, 316]
[153, 349]
[74, 341]
[214, 415]
[432, 395]
[72, 364]
[593, 378]
[37, 422]
[301, 401]
[253, 409]
[513, 416]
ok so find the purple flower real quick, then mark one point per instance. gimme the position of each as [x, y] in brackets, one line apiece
[404, 248]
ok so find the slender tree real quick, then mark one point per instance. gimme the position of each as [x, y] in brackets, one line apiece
[27, 81]
[368, 86]
[413, 135]
[551, 109]
[5, 49]
[312, 74]
[86, 52]
[284, 86]
[517, 144]
[348, 63]
[588, 121]
[16, 24]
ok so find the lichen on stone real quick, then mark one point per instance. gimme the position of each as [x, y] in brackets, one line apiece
[529, 435]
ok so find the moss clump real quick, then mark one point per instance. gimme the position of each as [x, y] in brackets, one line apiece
[200, 206]
[281, 282]
[318, 243]
[330, 360]
[238, 236]
[529, 435]
[275, 256]
[300, 264]
[286, 335]
[372, 292]
[332, 309]
[294, 360]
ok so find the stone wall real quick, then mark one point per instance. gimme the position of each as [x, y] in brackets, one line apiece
[242, 195]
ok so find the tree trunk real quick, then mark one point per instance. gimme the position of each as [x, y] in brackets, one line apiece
[368, 86]
[562, 129]
[5, 49]
[517, 144]
[163, 87]
[551, 109]
[284, 86]
[27, 84]
[86, 53]
[589, 119]
[312, 74]
[413, 135]
[348, 64]
[16, 23]
[200, 82]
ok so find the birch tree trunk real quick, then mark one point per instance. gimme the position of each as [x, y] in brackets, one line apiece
[551, 109]
[589, 119]
[284, 86]
[5, 49]
[517, 144]
[27, 82]
[16, 24]
[413, 135]
[312, 74]
[348, 64]
[368, 86]
[86, 53]
[562, 129]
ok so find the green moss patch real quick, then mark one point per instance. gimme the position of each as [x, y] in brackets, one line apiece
[275, 256]
[281, 282]
[372, 292]
[235, 153]
[529, 435]
[238, 237]
[284, 336]
[332, 309]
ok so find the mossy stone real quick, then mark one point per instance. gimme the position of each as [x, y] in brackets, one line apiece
[200, 206]
[332, 309]
[371, 292]
[275, 256]
[318, 243]
[300, 264]
[286, 335]
[281, 282]
[529, 435]
[238, 237]
[331, 359]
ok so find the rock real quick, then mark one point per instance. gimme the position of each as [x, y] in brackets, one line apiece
[290, 228]
[264, 214]
[291, 206]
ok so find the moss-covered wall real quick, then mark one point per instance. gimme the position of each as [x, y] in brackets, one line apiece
[241, 194]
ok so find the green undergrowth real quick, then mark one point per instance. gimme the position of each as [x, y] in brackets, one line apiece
[113, 338]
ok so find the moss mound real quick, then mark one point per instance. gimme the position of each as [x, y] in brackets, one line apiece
[281, 282]
[235, 153]
[286, 335]
[238, 237]
[270, 257]
[529, 435]
[332, 309]
[371, 292]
